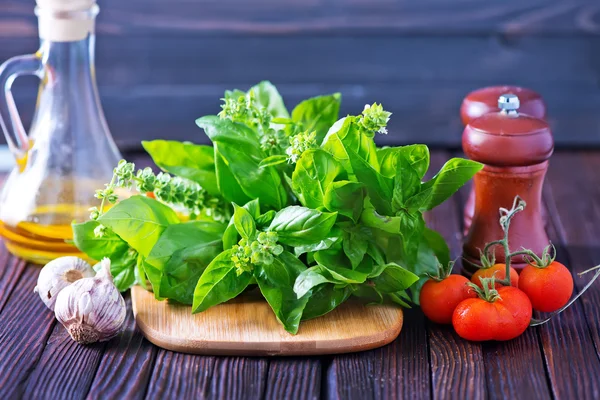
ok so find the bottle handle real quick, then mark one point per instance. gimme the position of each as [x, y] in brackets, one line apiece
[16, 137]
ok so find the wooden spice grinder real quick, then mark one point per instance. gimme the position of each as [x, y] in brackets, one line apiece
[485, 100]
[515, 149]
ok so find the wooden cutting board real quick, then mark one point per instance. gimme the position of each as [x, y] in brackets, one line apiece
[247, 326]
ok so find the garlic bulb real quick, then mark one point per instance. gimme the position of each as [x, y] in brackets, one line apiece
[92, 309]
[58, 274]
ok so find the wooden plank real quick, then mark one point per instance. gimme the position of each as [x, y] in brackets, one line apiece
[66, 369]
[126, 365]
[10, 271]
[178, 375]
[398, 370]
[457, 367]
[422, 113]
[570, 340]
[246, 326]
[25, 324]
[337, 16]
[293, 378]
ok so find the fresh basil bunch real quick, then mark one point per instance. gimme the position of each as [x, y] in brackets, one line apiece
[318, 212]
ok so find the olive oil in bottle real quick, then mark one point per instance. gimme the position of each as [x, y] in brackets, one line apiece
[69, 152]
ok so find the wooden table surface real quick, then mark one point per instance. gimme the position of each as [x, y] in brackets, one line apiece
[559, 360]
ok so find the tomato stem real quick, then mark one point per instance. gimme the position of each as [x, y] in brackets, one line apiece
[538, 322]
[505, 217]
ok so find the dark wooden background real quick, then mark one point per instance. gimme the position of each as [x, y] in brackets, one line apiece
[162, 63]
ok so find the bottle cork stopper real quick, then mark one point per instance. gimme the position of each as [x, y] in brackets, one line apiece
[66, 20]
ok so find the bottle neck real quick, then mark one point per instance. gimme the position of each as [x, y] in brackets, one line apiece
[69, 65]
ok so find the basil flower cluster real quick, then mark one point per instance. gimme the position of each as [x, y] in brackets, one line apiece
[374, 118]
[168, 189]
[299, 144]
[260, 251]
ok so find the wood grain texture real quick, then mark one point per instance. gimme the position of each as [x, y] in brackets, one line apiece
[270, 17]
[126, 365]
[170, 59]
[25, 325]
[178, 375]
[65, 370]
[293, 378]
[11, 270]
[398, 370]
[181, 376]
[246, 326]
[568, 339]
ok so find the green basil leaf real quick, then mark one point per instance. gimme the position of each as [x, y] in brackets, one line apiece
[310, 279]
[219, 282]
[368, 294]
[183, 270]
[314, 173]
[394, 278]
[378, 186]
[411, 231]
[417, 156]
[186, 160]
[453, 175]
[352, 139]
[276, 283]
[140, 273]
[318, 114]
[267, 96]
[109, 245]
[244, 223]
[335, 267]
[371, 218]
[180, 256]
[438, 245]
[229, 187]
[240, 149]
[346, 198]
[355, 244]
[273, 160]
[324, 299]
[264, 220]
[335, 236]
[300, 226]
[407, 182]
[139, 220]
[387, 161]
[400, 298]
[376, 253]
[230, 236]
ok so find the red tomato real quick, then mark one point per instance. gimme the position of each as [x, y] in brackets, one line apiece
[500, 271]
[151, 195]
[503, 319]
[439, 298]
[548, 288]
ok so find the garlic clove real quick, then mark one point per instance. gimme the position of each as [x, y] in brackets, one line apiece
[92, 309]
[58, 274]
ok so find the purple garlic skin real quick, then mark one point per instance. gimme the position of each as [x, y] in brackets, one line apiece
[92, 309]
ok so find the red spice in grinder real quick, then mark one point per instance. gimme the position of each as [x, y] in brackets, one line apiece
[485, 100]
[515, 149]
